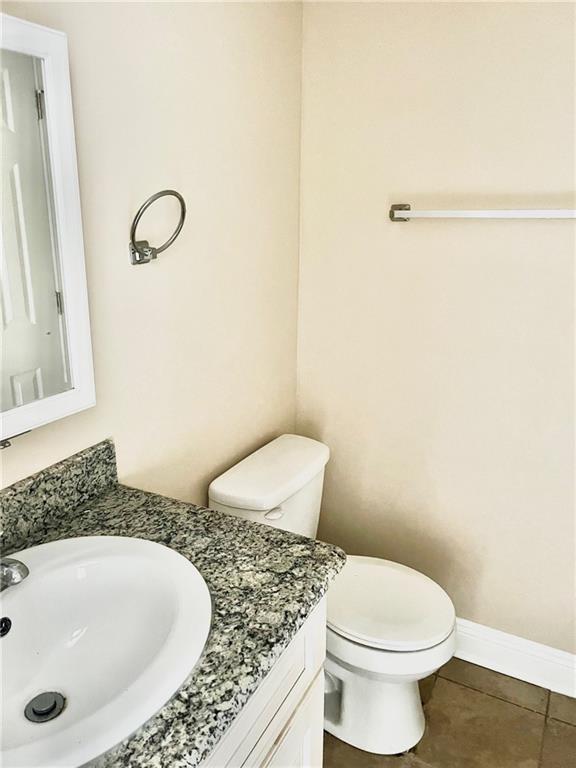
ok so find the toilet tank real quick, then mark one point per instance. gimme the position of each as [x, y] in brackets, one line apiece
[279, 485]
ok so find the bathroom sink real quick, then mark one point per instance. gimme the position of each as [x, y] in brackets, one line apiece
[104, 630]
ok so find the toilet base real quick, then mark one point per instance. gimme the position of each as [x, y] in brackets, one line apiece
[372, 713]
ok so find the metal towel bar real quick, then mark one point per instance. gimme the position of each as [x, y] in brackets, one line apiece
[404, 212]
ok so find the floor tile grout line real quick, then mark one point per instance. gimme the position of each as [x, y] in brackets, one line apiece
[541, 754]
[556, 718]
[435, 680]
[559, 720]
[493, 696]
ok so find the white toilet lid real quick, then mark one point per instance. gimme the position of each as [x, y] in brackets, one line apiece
[386, 605]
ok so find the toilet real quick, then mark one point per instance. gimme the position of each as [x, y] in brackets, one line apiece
[388, 626]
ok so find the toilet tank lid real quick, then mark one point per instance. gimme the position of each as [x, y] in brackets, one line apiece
[271, 474]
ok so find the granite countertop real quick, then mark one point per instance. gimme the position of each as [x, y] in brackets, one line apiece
[264, 583]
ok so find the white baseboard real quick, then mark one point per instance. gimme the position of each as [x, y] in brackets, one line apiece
[516, 657]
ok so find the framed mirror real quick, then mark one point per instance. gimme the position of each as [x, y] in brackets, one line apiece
[46, 353]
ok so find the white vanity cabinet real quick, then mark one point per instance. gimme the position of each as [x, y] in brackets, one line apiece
[281, 726]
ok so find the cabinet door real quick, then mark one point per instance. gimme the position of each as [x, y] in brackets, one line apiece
[258, 732]
[300, 744]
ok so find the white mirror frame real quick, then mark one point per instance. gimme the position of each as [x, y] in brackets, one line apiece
[51, 46]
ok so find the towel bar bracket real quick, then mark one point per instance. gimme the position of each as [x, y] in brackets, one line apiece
[399, 207]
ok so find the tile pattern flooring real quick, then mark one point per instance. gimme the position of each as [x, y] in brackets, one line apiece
[476, 718]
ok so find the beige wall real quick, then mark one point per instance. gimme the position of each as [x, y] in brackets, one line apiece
[435, 358]
[194, 354]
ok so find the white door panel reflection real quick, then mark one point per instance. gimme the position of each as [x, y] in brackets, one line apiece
[34, 355]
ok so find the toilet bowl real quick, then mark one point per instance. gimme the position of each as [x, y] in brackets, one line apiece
[388, 626]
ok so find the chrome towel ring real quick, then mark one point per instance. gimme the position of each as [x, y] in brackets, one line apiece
[141, 252]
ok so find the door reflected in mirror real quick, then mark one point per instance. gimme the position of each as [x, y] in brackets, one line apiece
[35, 359]
[46, 370]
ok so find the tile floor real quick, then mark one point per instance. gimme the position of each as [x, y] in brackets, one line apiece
[476, 718]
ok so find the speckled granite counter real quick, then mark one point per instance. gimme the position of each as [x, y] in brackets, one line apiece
[264, 583]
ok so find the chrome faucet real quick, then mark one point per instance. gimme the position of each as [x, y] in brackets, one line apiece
[11, 572]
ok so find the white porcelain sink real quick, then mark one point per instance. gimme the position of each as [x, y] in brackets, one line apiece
[115, 625]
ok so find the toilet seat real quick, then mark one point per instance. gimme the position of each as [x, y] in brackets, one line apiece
[388, 606]
[393, 665]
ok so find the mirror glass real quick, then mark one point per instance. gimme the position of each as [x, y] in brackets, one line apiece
[34, 354]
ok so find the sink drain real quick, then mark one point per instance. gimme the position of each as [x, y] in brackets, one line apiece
[46, 706]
